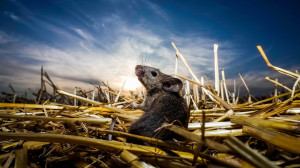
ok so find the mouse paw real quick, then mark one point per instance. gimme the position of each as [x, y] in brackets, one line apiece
[135, 105]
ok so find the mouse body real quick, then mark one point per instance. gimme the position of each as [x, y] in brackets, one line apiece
[163, 104]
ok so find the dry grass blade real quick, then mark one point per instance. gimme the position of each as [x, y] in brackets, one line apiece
[264, 110]
[119, 93]
[42, 118]
[225, 86]
[192, 73]
[193, 126]
[222, 102]
[225, 116]
[217, 78]
[199, 145]
[246, 87]
[265, 123]
[279, 84]
[148, 140]
[185, 63]
[294, 86]
[90, 101]
[248, 154]
[209, 143]
[281, 108]
[9, 160]
[272, 98]
[280, 70]
[128, 99]
[222, 133]
[195, 138]
[284, 141]
[108, 146]
[166, 162]
[21, 158]
[133, 160]
[125, 117]
[30, 106]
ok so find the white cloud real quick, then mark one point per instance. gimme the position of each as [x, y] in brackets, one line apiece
[12, 15]
[123, 46]
[83, 34]
[5, 38]
[85, 47]
[157, 10]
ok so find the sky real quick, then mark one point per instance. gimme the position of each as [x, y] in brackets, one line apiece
[80, 43]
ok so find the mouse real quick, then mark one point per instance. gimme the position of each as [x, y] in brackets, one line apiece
[162, 104]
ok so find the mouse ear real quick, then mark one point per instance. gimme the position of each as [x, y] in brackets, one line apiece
[172, 85]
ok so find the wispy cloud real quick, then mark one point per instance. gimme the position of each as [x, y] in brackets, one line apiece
[5, 38]
[157, 10]
[84, 35]
[79, 55]
[12, 15]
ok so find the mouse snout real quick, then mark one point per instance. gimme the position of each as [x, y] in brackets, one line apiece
[138, 67]
[139, 71]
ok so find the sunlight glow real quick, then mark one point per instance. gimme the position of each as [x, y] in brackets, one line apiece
[132, 83]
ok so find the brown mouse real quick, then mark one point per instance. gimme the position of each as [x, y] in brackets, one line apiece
[163, 104]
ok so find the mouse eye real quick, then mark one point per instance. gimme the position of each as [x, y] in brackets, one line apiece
[153, 73]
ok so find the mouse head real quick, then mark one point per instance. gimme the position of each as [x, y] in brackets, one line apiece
[152, 78]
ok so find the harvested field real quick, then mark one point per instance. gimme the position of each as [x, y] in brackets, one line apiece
[89, 128]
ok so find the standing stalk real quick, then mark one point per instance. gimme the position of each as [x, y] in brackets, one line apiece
[217, 80]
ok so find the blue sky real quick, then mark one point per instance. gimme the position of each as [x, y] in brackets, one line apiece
[83, 42]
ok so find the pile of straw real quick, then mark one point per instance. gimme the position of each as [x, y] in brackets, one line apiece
[89, 128]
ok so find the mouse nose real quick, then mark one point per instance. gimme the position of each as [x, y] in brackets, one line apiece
[139, 71]
[138, 67]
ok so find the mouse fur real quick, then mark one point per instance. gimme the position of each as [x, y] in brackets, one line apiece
[163, 103]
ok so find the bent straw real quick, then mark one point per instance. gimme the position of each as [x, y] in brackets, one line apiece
[280, 70]
[211, 96]
[245, 84]
[249, 100]
[279, 84]
[217, 98]
[91, 101]
[294, 87]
